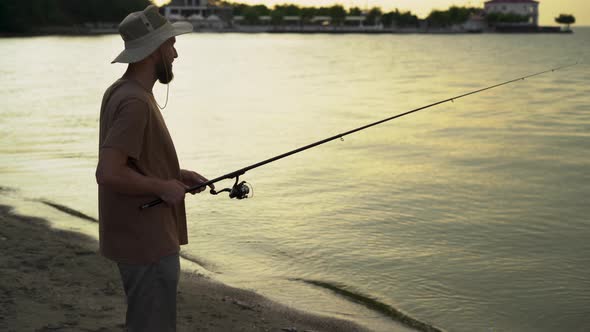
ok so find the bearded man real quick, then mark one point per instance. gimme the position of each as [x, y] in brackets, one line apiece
[137, 163]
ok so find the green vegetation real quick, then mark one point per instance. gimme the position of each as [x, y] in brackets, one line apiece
[566, 19]
[337, 13]
[373, 16]
[451, 16]
[355, 11]
[252, 13]
[399, 19]
[495, 18]
[23, 16]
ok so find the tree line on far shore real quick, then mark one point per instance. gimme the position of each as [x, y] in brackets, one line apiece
[22, 16]
[437, 18]
[337, 14]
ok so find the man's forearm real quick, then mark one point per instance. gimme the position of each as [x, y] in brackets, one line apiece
[127, 181]
[183, 175]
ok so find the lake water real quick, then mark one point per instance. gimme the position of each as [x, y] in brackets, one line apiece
[471, 216]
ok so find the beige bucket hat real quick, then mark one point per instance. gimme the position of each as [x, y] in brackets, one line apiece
[144, 31]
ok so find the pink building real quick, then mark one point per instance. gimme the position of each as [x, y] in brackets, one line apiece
[528, 8]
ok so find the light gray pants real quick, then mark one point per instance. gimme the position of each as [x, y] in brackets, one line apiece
[151, 295]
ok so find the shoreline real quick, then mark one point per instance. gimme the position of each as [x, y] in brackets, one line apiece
[55, 280]
[403, 320]
[76, 32]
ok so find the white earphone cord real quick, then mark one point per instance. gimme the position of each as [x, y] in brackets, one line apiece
[167, 86]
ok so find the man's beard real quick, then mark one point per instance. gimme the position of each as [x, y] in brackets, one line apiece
[164, 72]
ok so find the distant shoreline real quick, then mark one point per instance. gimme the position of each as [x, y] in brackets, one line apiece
[86, 31]
[253, 31]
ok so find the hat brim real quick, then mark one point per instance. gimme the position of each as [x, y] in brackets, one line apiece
[138, 50]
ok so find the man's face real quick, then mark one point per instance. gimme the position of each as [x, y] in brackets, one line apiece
[164, 65]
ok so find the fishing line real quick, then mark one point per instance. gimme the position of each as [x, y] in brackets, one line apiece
[241, 190]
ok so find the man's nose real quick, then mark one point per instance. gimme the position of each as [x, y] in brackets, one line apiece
[175, 53]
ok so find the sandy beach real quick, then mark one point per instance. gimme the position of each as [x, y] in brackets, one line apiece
[55, 280]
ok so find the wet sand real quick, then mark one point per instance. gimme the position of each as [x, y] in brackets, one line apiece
[54, 280]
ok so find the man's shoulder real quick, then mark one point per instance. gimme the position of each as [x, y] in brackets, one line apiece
[123, 89]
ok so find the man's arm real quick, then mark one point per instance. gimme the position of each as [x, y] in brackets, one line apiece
[112, 172]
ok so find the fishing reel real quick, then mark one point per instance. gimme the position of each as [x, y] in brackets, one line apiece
[238, 190]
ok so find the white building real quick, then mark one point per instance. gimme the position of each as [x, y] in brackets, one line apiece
[354, 20]
[185, 8]
[200, 13]
[528, 8]
[321, 20]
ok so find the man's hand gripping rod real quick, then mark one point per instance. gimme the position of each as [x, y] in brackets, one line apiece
[233, 192]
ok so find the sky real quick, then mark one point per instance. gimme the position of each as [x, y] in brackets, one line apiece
[548, 9]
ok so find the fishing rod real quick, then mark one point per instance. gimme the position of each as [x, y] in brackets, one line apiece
[241, 190]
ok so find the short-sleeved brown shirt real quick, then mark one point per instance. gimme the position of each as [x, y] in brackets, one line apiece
[131, 122]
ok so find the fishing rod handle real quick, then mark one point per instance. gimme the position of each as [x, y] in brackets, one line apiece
[204, 184]
[159, 200]
[150, 204]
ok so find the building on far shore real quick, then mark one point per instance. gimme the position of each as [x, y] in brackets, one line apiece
[200, 13]
[355, 20]
[528, 8]
[504, 16]
[186, 8]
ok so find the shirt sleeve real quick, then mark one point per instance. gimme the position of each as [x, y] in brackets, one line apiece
[127, 129]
